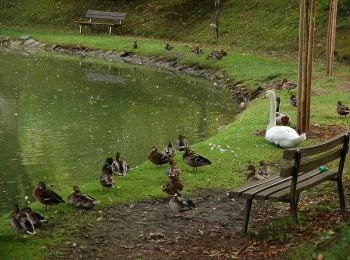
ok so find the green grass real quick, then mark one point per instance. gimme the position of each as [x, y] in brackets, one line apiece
[251, 25]
[236, 139]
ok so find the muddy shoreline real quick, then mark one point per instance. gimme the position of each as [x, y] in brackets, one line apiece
[27, 44]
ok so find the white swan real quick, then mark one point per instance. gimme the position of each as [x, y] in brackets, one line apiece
[282, 136]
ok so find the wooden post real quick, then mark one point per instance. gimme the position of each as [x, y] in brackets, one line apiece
[332, 22]
[217, 3]
[301, 65]
[312, 16]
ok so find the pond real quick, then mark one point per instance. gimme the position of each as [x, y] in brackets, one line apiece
[60, 118]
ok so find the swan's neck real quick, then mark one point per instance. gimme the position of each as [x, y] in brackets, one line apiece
[272, 112]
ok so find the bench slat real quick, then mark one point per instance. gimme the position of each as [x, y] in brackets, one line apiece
[310, 164]
[278, 196]
[105, 15]
[248, 186]
[289, 154]
[264, 193]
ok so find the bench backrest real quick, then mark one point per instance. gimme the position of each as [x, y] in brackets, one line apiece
[105, 15]
[322, 153]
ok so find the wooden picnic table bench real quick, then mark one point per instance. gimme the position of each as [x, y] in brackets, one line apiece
[112, 19]
[301, 172]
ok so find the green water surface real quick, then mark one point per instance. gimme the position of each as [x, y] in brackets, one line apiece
[60, 118]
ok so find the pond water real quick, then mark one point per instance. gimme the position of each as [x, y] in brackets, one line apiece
[60, 118]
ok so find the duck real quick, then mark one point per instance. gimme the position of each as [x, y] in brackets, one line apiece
[173, 186]
[169, 47]
[169, 150]
[46, 196]
[81, 200]
[157, 157]
[173, 170]
[35, 217]
[288, 85]
[342, 109]
[281, 118]
[135, 46]
[216, 55]
[106, 177]
[276, 85]
[252, 175]
[282, 136]
[293, 100]
[20, 222]
[197, 50]
[119, 166]
[264, 169]
[179, 204]
[193, 159]
[181, 142]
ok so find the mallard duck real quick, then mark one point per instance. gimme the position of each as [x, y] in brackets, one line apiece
[281, 118]
[119, 166]
[169, 150]
[180, 204]
[135, 45]
[20, 222]
[173, 186]
[169, 47]
[276, 85]
[106, 177]
[216, 55]
[157, 157]
[288, 85]
[173, 170]
[197, 50]
[46, 196]
[293, 100]
[181, 142]
[81, 200]
[342, 109]
[264, 169]
[193, 159]
[252, 175]
[282, 136]
[36, 218]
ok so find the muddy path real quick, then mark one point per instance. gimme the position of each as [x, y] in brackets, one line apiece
[149, 230]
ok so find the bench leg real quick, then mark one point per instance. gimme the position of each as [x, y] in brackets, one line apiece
[81, 29]
[293, 212]
[341, 195]
[248, 206]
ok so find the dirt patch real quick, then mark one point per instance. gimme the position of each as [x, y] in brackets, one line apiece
[316, 132]
[149, 230]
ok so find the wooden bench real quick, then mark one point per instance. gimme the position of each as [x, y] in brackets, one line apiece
[112, 19]
[301, 172]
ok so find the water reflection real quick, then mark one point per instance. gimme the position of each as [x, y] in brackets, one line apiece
[59, 121]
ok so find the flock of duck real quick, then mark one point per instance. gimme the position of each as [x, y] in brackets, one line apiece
[278, 132]
[25, 220]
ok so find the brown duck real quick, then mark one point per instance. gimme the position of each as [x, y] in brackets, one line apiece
[35, 217]
[157, 157]
[20, 222]
[264, 169]
[46, 196]
[252, 175]
[81, 200]
[342, 109]
[281, 118]
[181, 142]
[106, 177]
[193, 159]
[169, 150]
[173, 186]
[173, 170]
[119, 166]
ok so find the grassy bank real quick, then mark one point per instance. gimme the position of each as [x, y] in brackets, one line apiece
[244, 24]
[229, 150]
